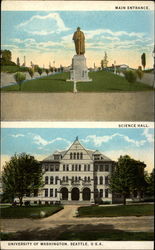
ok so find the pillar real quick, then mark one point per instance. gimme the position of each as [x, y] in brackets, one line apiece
[69, 196]
[80, 197]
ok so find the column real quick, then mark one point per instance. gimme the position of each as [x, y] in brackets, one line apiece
[80, 197]
[69, 196]
[92, 196]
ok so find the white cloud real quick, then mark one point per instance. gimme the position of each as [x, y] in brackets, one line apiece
[17, 135]
[99, 140]
[149, 136]
[44, 25]
[37, 139]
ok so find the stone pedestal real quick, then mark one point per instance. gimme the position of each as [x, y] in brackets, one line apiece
[79, 72]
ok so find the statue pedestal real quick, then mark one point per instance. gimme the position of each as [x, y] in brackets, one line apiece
[79, 72]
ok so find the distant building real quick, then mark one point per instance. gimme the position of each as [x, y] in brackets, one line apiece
[75, 175]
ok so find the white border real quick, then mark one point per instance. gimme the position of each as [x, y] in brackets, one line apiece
[76, 5]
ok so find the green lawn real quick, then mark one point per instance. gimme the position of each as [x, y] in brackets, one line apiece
[107, 235]
[112, 211]
[102, 82]
[12, 69]
[28, 212]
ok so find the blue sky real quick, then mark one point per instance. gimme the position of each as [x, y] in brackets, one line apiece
[41, 142]
[49, 34]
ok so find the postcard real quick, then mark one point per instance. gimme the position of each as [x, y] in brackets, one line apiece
[77, 60]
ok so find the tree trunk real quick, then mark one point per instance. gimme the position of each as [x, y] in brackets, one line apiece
[21, 201]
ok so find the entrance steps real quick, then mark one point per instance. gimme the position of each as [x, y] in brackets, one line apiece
[75, 202]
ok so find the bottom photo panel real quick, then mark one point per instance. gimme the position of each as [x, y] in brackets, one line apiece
[86, 185]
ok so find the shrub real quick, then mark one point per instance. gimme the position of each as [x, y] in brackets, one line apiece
[40, 71]
[130, 75]
[31, 72]
[19, 78]
[47, 71]
[139, 73]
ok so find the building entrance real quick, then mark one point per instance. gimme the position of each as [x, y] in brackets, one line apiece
[75, 194]
[86, 194]
[64, 193]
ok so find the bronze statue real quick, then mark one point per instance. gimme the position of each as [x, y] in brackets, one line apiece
[79, 40]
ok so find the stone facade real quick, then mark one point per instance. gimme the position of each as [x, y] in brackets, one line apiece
[79, 71]
[76, 175]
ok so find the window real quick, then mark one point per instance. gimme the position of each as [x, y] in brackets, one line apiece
[51, 192]
[71, 155]
[46, 192]
[88, 167]
[46, 179]
[63, 167]
[106, 180]
[81, 156]
[74, 155]
[106, 168]
[56, 191]
[79, 167]
[96, 167]
[101, 180]
[51, 180]
[77, 155]
[88, 179]
[67, 168]
[76, 179]
[56, 180]
[51, 168]
[66, 178]
[35, 192]
[85, 179]
[72, 167]
[56, 168]
[106, 193]
[101, 193]
[101, 167]
[56, 157]
[85, 168]
[76, 167]
[46, 168]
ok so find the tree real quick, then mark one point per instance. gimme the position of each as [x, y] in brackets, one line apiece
[19, 77]
[47, 71]
[130, 75]
[40, 71]
[143, 59]
[139, 72]
[31, 72]
[51, 69]
[104, 62]
[150, 184]
[6, 55]
[22, 175]
[18, 61]
[127, 177]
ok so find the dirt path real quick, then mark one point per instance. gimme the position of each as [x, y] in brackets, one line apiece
[126, 106]
[65, 218]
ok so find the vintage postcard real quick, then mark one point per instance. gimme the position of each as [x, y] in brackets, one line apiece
[85, 61]
[77, 185]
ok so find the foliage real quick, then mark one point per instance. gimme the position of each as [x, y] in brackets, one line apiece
[104, 62]
[6, 55]
[19, 78]
[143, 60]
[130, 76]
[18, 61]
[40, 71]
[22, 175]
[31, 72]
[47, 71]
[150, 184]
[13, 68]
[139, 72]
[128, 177]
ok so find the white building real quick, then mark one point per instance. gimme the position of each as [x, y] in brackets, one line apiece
[76, 175]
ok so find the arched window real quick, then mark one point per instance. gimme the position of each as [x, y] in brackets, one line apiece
[72, 167]
[106, 180]
[85, 179]
[51, 180]
[46, 179]
[81, 155]
[56, 180]
[76, 167]
[76, 178]
[77, 155]
[74, 155]
[79, 167]
[66, 178]
[71, 155]
[88, 179]
[101, 180]
[96, 180]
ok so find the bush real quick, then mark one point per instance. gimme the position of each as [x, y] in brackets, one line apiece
[40, 71]
[31, 72]
[19, 77]
[130, 75]
[139, 73]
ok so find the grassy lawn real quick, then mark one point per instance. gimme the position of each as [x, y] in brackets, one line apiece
[29, 212]
[107, 235]
[102, 82]
[112, 211]
[12, 69]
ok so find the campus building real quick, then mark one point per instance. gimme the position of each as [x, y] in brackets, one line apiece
[75, 175]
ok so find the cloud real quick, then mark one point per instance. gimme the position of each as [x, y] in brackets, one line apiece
[44, 25]
[37, 139]
[17, 135]
[99, 140]
[149, 136]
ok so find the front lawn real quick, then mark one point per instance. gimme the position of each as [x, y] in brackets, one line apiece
[102, 82]
[113, 211]
[29, 212]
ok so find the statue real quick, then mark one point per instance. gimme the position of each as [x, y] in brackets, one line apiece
[79, 40]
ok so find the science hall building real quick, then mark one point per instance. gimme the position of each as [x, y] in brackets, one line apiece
[76, 175]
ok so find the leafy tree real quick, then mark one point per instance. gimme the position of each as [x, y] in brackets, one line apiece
[150, 184]
[127, 177]
[139, 72]
[47, 71]
[18, 61]
[143, 60]
[19, 77]
[6, 55]
[31, 72]
[22, 175]
[51, 69]
[104, 62]
[40, 71]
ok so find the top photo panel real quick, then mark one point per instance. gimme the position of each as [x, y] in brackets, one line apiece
[77, 61]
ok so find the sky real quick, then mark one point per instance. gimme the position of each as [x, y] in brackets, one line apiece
[46, 36]
[113, 142]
